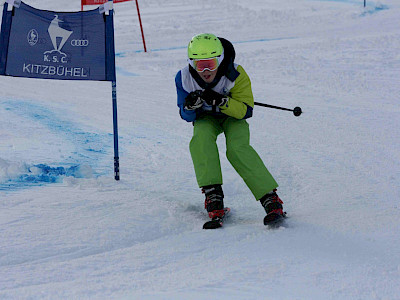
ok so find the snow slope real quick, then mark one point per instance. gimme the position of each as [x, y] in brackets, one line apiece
[69, 231]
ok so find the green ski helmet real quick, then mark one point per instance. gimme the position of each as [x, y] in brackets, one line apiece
[204, 45]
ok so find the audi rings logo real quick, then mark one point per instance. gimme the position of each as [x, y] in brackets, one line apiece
[80, 43]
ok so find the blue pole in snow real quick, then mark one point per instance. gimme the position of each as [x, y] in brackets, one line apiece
[111, 75]
[365, 3]
[115, 125]
[115, 118]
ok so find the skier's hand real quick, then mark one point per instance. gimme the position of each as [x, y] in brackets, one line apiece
[213, 98]
[194, 100]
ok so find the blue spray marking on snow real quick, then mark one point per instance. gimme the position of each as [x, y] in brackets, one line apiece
[90, 148]
[124, 72]
[371, 7]
[123, 54]
[84, 141]
[341, 1]
[41, 174]
[375, 9]
[263, 40]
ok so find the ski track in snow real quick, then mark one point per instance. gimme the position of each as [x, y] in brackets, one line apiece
[69, 231]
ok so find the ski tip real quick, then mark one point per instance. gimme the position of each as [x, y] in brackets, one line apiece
[213, 224]
[274, 220]
[217, 222]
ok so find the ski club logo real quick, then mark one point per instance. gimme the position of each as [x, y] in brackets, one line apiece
[33, 37]
[59, 36]
[56, 61]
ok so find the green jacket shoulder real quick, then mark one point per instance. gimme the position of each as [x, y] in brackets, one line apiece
[241, 102]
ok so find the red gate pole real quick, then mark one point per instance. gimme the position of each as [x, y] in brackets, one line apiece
[141, 27]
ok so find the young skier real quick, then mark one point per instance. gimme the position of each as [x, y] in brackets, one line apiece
[215, 94]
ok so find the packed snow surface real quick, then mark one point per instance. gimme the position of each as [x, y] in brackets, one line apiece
[68, 230]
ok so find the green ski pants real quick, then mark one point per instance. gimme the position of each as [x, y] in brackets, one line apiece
[242, 156]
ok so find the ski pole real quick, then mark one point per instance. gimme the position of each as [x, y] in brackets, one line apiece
[296, 111]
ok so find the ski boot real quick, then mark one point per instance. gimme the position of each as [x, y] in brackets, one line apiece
[273, 207]
[214, 204]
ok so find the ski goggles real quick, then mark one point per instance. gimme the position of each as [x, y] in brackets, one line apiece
[211, 64]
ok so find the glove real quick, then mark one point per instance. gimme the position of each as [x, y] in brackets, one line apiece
[214, 98]
[194, 100]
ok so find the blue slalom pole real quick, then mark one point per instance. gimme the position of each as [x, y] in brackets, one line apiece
[111, 76]
[115, 117]
[115, 126]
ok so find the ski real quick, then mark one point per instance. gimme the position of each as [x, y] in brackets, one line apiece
[276, 221]
[217, 222]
